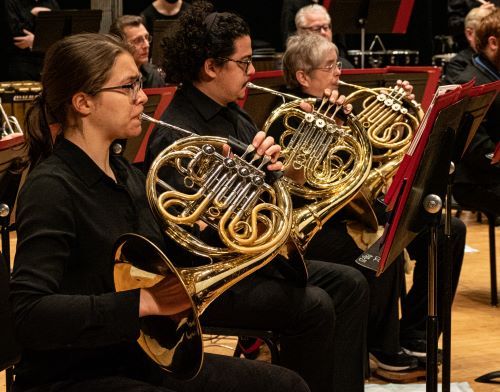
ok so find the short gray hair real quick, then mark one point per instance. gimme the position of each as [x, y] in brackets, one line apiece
[304, 52]
[300, 16]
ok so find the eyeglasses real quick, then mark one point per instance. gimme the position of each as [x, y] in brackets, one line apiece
[246, 63]
[318, 29]
[140, 40]
[332, 67]
[133, 88]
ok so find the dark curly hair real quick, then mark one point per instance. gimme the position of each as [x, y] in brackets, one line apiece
[200, 34]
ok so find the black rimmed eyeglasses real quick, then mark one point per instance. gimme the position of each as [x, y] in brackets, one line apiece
[246, 63]
[332, 67]
[133, 88]
[318, 29]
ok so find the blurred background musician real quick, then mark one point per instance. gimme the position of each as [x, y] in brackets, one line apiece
[163, 10]
[464, 58]
[322, 326]
[315, 18]
[77, 333]
[131, 29]
[477, 181]
[23, 64]
[457, 11]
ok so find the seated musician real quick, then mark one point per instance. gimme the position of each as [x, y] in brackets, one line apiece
[322, 326]
[310, 65]
[463, 58]
[477, 181]
[77, 333]
[131, 29]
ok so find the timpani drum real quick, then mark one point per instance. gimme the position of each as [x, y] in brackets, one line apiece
[383, 58]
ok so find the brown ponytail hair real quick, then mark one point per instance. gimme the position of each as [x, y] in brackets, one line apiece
[78, 63]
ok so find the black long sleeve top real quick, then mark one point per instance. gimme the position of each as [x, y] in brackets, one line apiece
[19, 17]
[69, 319]
[475, 167]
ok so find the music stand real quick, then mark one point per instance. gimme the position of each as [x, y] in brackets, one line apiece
[51, 26]
[160, 29]
[370, 16]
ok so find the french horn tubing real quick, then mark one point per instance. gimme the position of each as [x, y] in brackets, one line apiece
[390, 120]
[231, 195]
[335, 159]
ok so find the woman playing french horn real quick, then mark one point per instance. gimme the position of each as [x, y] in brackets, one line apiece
[77, 333]
[321, 326]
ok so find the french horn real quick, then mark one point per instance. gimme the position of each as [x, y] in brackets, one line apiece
[389, 119]
[231, 195]
[335, 159]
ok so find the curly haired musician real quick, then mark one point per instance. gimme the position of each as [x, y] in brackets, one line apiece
[322, 326]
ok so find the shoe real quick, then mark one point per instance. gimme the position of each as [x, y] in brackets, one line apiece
[418, 348]
[415, 348]
[394, 362]
[250, 347]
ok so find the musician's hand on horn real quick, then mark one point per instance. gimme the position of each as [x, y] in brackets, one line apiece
[264, 146]
[333, 98]
[166, 298]
[408, 87]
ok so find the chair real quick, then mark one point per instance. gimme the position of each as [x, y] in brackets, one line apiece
[270, 338]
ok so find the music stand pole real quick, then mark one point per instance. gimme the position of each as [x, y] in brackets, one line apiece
[447, 287]
[362, 24]
[432, 204]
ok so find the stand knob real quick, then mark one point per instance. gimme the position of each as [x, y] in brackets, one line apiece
[432, 204]
[4, 210]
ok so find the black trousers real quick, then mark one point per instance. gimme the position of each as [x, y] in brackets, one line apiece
[322, 325]
[219, 374]
[333, 243]
[413, 321]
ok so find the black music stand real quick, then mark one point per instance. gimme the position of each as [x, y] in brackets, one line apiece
[417, 204]
[161, 28]
[370, 16]
[51, 26]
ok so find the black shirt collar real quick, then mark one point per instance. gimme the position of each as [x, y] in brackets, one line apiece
[84, 167]
[207, 107]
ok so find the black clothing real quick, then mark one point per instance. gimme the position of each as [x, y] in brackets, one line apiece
[458, 63]
[477, 181]
[23, 64]
[322, 326]
[150, 14]
[74, 329]
[151, 76]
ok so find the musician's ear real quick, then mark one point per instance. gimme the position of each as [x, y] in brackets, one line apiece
[210, 68]
[302, 78]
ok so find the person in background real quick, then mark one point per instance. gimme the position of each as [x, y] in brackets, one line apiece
[131, 29]
[322, 326]
[163, 10]
[464, 58]
[457, 11]
[316, 19]
[77, 333]
[22, 63]
[477, 181]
